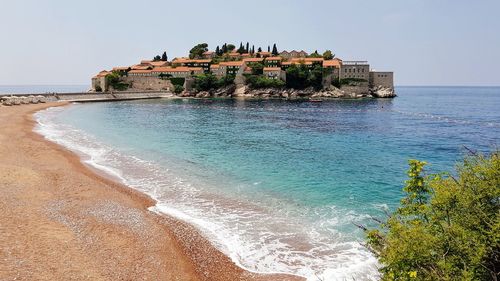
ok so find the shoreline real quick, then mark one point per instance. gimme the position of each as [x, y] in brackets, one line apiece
[75, 217]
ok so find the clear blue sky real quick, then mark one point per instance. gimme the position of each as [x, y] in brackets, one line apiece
[425, 42]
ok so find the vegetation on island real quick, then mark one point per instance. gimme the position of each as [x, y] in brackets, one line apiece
[113, 80]
[446, 227]
[208, 81]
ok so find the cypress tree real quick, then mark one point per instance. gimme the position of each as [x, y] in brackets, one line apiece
[247, 49]
[259, 49]
[164, 56]
[217, 51]
[275, 50]
[268, 48]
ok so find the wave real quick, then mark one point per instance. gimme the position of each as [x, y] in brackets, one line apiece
[269, 236]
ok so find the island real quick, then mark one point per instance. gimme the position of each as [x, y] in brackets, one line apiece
[228, 71]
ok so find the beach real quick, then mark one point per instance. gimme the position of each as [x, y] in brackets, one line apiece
[61, 220]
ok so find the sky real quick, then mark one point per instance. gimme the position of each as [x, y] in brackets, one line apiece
[425, 42]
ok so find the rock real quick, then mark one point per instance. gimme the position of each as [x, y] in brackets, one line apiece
[381, 92]
[41, 98]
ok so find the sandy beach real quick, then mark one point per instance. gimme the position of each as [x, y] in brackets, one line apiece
[60, 220]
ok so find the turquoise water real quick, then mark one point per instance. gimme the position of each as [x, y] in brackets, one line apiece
[277, 185]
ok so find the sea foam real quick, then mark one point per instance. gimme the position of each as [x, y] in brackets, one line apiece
[253, 235]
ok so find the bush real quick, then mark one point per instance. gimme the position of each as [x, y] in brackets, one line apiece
[259, 81]
[206, 82]
[177, 81]
[178, 89]
[446, 228]
[351, 81]
[113, 80]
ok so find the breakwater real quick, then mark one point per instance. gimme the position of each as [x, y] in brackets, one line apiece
[80, 97]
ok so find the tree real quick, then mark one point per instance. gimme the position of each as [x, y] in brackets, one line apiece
[268, 48]
[253, 50]
[446, 228]
[257, 68]
[164, 56]
[259, 50]
[241, 49]
[327, 55]
[230, 47]
[197, 51]
[217, 51]
[315, 77]
[224, 48]
[247, 48]
[297, 76]
[275, 50]
[315, 55]
[157, 58]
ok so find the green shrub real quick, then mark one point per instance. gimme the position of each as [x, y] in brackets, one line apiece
[206, 82]
[259, 81]
[446, 228]
[351, 81]
[177, 81]
[178, 89]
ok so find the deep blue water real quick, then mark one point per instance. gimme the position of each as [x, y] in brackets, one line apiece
[276, 184]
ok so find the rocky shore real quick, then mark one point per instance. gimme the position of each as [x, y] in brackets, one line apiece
[232, 91]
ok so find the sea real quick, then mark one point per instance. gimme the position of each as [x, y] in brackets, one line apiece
[279, 186]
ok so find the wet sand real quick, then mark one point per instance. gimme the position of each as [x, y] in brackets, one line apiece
[60, 220]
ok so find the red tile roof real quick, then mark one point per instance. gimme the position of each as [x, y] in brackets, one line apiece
[138, 71]
[232, 63]
[274, 58]
[253, 59]
[334, 63]
[271, 68]
[171, 69]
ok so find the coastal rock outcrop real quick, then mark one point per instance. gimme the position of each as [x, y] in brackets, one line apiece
[381, 92]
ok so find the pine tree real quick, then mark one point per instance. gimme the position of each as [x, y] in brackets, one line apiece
[164, 56]
[275, 50]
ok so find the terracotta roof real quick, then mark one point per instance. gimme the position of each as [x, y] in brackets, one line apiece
[120, 68]
[264, 53]
[214, 66]
[145, 61]
[245, 55]
[102, 74]
[232, 63]
[335, 63]
[195, 68]
[184, 60]
[171, 69]
[296, 62]
[140, 71]
[314, 59]
[253, 59]
[274, 58]
[158, 63]
[271, 68]
[141, 67]
[234, 54]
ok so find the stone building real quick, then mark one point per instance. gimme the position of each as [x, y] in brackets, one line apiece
[355, 69]
[383, 79]
[99, 83]
[274, 73]
[293, 54]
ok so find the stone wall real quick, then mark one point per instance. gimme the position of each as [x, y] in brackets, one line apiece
[360, 71]
[358, 89]
[381, 79]
[139, 83]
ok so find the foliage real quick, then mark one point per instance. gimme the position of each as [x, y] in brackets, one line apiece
[351, 81]
[300, 77]
[164, 57]
[327, 55]
[275, 50]
[177, 81]
[336, 82]
[257, 68]
[315, 55]
[197, 51]
[446, 228]
[259, 49]
[157, 58]
[241, 49]
[259, 81]
[230, 47]
[178, 89]
[113, 79]
[206, 82]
